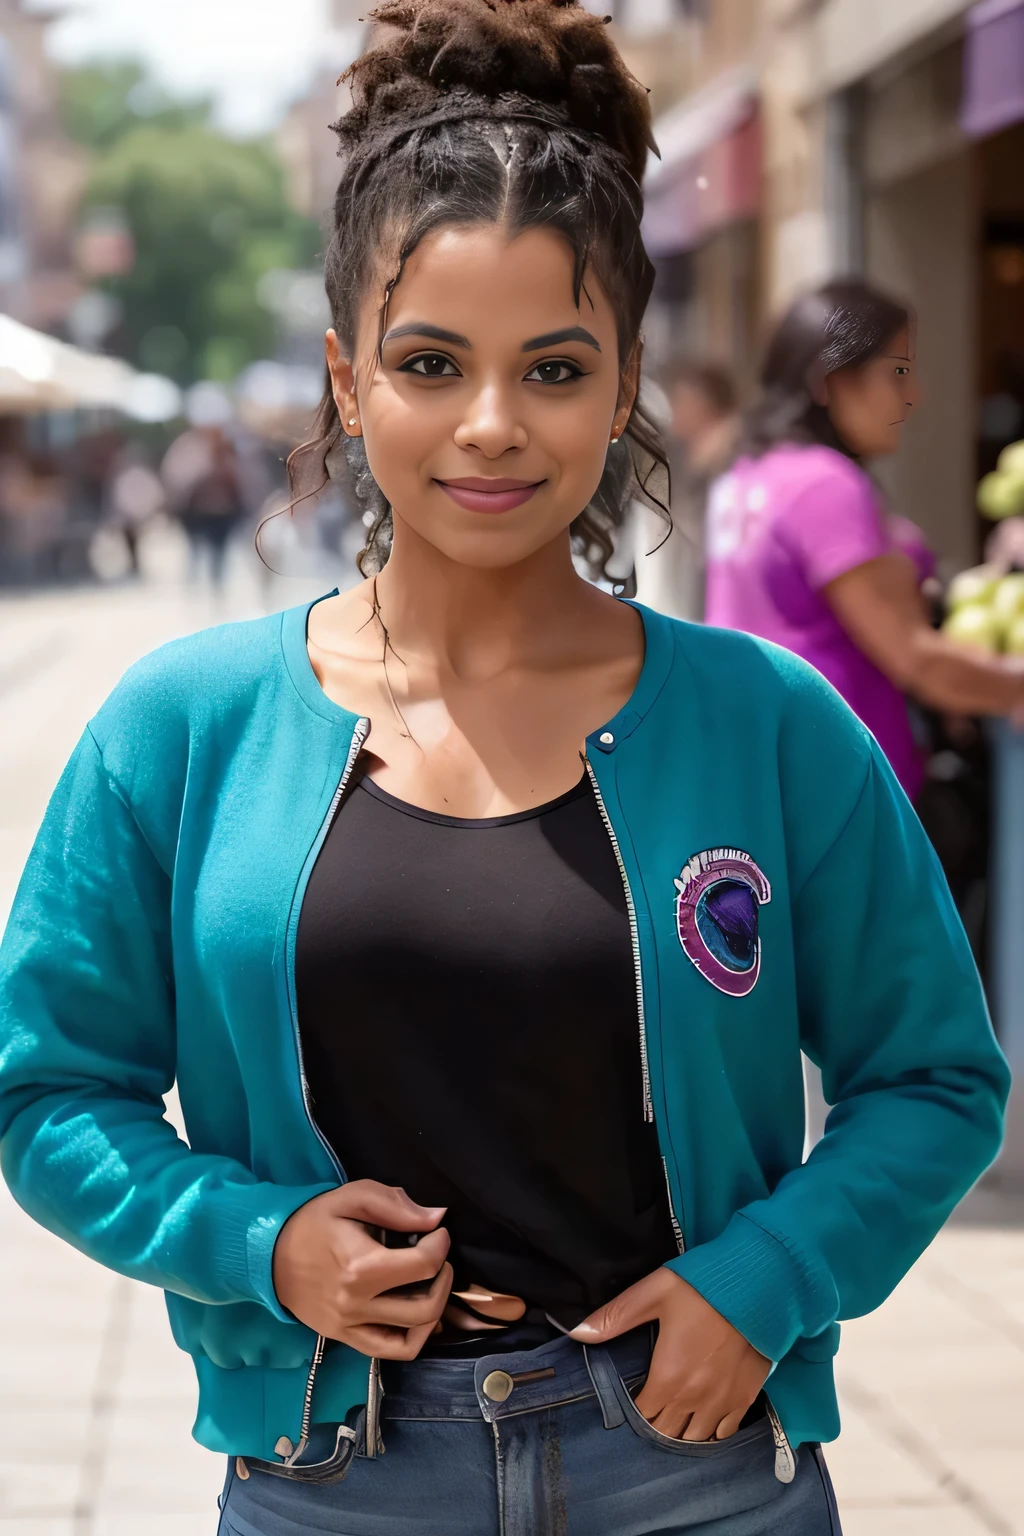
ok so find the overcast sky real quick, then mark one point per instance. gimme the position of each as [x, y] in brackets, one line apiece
[252, 55]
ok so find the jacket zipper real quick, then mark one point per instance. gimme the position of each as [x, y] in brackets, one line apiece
[634, 934]
[359, 736]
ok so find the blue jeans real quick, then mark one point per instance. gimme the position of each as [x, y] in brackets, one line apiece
[565, 1453]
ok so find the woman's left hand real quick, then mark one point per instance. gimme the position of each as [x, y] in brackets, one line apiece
[704, 1375]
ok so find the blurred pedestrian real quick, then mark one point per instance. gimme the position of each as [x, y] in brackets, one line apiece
[800, 547]
[202, 474]
[703, 429]
[136, 497]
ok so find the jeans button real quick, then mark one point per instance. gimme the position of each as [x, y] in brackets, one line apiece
[498, 1386]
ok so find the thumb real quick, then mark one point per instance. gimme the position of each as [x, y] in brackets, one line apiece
[384, 1205]
[639, 1304]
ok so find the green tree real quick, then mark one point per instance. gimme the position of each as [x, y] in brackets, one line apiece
[102, 102]
[209, 217]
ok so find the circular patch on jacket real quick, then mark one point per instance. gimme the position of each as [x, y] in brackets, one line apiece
[721, 892]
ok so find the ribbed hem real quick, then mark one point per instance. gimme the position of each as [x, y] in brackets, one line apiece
[760, 1286]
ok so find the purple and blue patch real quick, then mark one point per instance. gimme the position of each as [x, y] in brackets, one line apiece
[721, 892]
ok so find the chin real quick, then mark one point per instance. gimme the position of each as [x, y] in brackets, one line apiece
[494, 550]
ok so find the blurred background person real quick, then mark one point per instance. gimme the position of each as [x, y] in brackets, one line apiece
[203, 478]
[801, 548]
[703, 426]
[136, 497]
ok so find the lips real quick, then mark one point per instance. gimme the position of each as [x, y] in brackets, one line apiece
[478, 494]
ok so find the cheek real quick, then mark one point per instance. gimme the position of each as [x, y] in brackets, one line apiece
[577, 440]
[398, 437]
[891, 403]
[575, 433]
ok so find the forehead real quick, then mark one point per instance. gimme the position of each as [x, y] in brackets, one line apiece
[488, 287]
[901, 345]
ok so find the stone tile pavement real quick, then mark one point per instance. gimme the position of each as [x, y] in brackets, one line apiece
[96, 1402]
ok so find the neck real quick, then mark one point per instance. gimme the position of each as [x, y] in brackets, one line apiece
[473, 620]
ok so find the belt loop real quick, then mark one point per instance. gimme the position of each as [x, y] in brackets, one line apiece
[605, 1378]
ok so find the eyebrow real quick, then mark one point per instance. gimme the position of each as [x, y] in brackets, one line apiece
[554, 338]
[433, 332]
[453, 339]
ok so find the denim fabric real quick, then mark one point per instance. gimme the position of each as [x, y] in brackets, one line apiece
[563, 1455]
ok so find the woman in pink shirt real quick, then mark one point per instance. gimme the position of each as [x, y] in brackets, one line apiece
[800, 549]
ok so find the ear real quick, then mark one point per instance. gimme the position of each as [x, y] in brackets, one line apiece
[343, 386]
[629, 388]
[817, 384]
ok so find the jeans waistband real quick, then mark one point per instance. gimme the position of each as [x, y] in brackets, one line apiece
[499, 1386]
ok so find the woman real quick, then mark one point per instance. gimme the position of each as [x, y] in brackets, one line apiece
[446, 902]
[800, 550]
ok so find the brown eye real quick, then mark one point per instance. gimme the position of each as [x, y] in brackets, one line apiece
[430, 365]
[558, 372]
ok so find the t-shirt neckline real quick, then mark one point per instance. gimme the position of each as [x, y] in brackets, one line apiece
[474, 823]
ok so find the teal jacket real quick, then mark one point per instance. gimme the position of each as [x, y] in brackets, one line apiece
[152, 941]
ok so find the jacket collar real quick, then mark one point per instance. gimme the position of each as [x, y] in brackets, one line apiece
[294, 625]
[659, 648]
[659, 645]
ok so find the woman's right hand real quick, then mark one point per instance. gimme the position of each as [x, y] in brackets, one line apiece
[331, 1274]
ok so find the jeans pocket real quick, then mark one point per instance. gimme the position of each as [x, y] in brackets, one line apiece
[754, 1434]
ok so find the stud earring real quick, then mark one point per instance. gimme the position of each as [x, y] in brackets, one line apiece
[615, 439]
[352, 421]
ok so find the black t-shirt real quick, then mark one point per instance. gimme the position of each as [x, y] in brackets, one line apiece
[468, 1015]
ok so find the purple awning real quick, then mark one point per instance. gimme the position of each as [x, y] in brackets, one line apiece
[993, 67]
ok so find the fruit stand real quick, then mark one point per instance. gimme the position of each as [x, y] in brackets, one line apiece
[985, 607]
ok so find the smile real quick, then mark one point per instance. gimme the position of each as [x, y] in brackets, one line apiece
[481, 495]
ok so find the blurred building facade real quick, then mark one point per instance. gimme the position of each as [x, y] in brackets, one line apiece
[307, 150]
[803, 139]
[42, 176]
[704, 196]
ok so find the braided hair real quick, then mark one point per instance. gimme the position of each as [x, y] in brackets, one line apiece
[516, 112]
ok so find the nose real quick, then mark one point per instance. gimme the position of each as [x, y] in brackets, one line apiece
[490, 423]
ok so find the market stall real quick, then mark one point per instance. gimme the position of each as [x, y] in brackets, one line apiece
[40, 373]
[986, 608]
[64, 417]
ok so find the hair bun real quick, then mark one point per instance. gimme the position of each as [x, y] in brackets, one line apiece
[552, 52]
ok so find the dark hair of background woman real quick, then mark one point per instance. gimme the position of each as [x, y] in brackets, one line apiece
[516, 112]
[840, 325]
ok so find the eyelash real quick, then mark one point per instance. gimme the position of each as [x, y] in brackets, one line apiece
[409, 366]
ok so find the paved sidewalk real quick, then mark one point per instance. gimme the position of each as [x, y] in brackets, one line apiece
[96, 1403]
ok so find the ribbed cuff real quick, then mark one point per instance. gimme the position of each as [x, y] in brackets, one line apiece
[759, 1286]
[248, 1231]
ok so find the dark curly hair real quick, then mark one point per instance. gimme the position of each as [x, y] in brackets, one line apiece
[517, 112]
